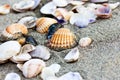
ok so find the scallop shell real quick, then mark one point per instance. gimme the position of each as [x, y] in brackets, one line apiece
[104, 12]
[5, 9]
[28, 21]
[86, 41]
[14, 31]
[6, 51]
[44, 23]
[41, 52]
[72, 56]
[32, 67]
[63, 38]
[99, 1]
[71, 76]
[48, 8]
[62, 13]
[12, 76]
[23, 5]
[60, 3]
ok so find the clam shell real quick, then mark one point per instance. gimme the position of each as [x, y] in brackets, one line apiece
[86, 41]
[6, 51]
[5, 9]
[49, 72]
[104, 12]
[12, 76]
[72, 56]
[14, 31]
[41, 52]
[71, 76]
[44, 23]
[28, 21]
[32, 67]
[63, 38]
[23, 5]
[60, 3]
[48, 8]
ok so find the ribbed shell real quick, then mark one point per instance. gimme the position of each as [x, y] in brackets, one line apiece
[44, 23]
[62, 39]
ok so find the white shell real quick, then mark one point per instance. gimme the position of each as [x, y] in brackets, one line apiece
[37, 2]
[21, 58]
[72, 56]
[114, 5]
[20, 66]
[12, 76]
[76, 3]
[49, 72]
[5, 9]
[41, 52]
[28, 21]
[60, 3]
[85, 41]
[32, 67]
[71, 76]
[48, 8]
[9, 49]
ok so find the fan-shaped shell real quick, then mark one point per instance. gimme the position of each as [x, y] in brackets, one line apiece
[14, 30]
[44, 23]
[62, 39]
[5, 9]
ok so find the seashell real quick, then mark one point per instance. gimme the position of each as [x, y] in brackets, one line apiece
[86, 41]
[112, 5]
[14, 31]
[52, 29]
[49, 72]
[27, 48]
[71, 76]
[20, 66]
[32, 67]
[37, 2]
[94, 6]
[21, 58]
[41, 52]
[60, 3]
[23, 5]
[48, 8]
[52, 78]
[31, 40]
[99, 1]
[21, 40]
[6, 51]
[72, 56]
[62, 13]
[28, 21]
[63, 38]
[5, 9]
[104, 12]
[76, 3]
[12, 76]
[44, 23]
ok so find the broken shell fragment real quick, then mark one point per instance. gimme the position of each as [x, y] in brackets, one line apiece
[48, 8]
[44, 23]
[41, 52]
[31, 40]
[21, 40]
[63, 38]
[112, 5]
[71, 76]
[72, 56]
[12, 76]
[28, 21]
[85, 41]
[7, 51]
[32, 67]
[49, 72]
[5, 9]
[14, 31]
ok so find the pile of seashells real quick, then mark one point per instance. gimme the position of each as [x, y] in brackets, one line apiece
[29, 56]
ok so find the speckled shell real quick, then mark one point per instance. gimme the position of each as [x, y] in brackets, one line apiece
[63, 39]
[14, 30]
[44, 23]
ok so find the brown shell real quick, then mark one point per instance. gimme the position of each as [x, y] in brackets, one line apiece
[63, 39]
[44, 23]
[14, 31]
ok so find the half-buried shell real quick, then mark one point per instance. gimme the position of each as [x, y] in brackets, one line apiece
[63, 38]
[5, 9]
[44, 23]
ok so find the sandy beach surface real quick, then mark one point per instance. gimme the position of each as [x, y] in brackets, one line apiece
[99, 61]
